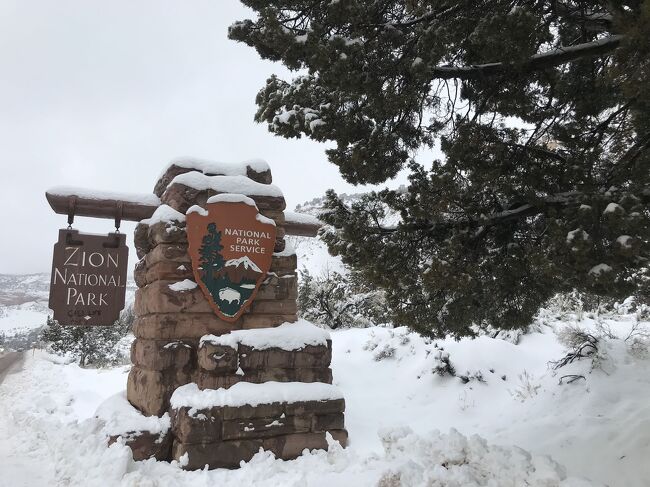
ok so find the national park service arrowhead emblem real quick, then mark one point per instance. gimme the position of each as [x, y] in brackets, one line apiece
[231, 247]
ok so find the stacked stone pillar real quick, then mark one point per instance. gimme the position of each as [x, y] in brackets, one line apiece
[177, 333]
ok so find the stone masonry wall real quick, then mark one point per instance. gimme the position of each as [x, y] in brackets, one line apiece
[168, 351]
[169, 323]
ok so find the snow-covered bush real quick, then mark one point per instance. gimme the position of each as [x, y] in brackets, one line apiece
[96, 345]
[581, 344]
[442, 365]
[387, 351]
[340, 301]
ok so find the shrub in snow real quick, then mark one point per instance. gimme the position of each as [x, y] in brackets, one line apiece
[385, 352]
[442, 365]
[468, 376]
[583, 344]
[340, 301]
[527, 387]
[389, 342]
[96, 345]
[512, 336]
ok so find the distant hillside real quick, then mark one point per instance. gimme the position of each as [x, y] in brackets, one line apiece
[23, 302]
[18, 289]
[312, 252]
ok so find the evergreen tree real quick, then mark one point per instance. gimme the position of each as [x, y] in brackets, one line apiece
[210, 252]
[90, 345]
[541, 110]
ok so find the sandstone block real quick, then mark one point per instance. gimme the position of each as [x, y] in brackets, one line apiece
[192, 426]
[150, 390]
[288, 375]
[218, 358]
[280, 244]
[327, 422]
[181, 197]
[310, 356]
[284, 263]
[280, 288]
[158, 297]
[181, 326]
[222, 454]
[141, 239]
[276, 215]
[303, 408]
[268, 410]
[291, 446]
[255, 320]
[216, 380]
[168, 271]
[166, 233]
[161, 354]
[210, 380]
[265, 427]
[341, 436]
[169, 252]
[146, 445]
[174, 170]
[140, 273]
[276, 307]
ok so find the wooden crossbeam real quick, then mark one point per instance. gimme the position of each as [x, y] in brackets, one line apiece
[81, 202]
[136, 207]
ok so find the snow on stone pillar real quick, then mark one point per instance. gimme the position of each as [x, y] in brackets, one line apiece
[183, 346]
[171, 312]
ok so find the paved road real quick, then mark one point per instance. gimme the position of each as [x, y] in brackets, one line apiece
[10, 362]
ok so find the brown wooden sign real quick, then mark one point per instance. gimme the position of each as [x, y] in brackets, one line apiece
[231, 246]
[88, 282]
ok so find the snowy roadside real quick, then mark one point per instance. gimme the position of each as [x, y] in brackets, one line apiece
[597, 427]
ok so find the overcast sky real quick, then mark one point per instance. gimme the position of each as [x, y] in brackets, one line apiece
[104, 93]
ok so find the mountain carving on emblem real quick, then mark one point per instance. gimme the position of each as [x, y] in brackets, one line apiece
[242, 269]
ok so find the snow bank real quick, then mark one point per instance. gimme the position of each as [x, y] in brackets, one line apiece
[184, 285]
[287, 336]
[95, 194]
[263, 219]
[246, 393]
[165, 214]
[120, 418]
[454, 460]
[231, 198]
[227, 184]
[197, 209]
[597, 427]
[225, 168]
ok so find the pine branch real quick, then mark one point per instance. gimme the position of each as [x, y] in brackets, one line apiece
[548, 59]
[497, 218]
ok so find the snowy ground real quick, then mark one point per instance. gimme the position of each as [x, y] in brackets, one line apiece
[597, 427]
